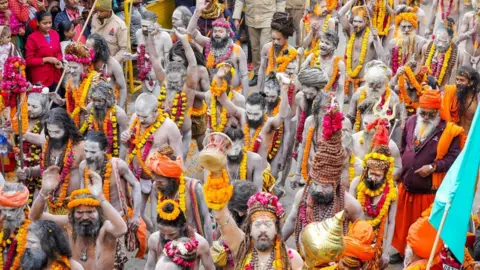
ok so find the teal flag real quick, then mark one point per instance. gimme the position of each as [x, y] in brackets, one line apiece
[457, 192]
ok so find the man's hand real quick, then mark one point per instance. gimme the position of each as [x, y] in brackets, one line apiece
[55, 97]
[78, 20]
[315, 27]
[95, 184]
[236, 22]
[425, 170]
[296, 182]
[134, 222]
[58, 64]
[125, 136]
[223, 70]
[283, 78]
[202, 4]
[23, 173]
[181, 33]
[50, 179]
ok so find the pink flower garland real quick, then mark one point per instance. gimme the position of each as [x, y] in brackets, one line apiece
[291, 92]
[332, 122]
[146, 150]
[84, 61]
[143, 63]
[301, 126]
[442, 9]
[222, 59]
[395, 62]
[267, 199]
[10, 255]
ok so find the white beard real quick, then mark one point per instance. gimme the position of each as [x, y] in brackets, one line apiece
[408, 43]
[427, 128]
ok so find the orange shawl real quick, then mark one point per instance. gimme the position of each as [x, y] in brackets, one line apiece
[450, 110]
[451, 131]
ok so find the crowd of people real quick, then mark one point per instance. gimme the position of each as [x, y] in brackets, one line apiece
[363, 133]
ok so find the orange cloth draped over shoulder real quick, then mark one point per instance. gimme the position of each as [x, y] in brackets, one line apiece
[14, 199]
[450, 110]
[451, 131]
[409, 208]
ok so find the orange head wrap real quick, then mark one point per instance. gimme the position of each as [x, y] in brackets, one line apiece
[12, 198]
[431, 99]
[407, 16]
[421, 236]
[163, 165]
[358, 242]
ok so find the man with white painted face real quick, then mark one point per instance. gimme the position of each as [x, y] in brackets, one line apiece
[333, 66]
[148, 119]
[277, 54]
[123, 188]
[324, 195]
[47, 248]
[441, 55]
[180, 18]
[63, 148]
[259, 129]
[219, 48]
[94, 226]
[469, 30]
[319, 18]
[104, 115]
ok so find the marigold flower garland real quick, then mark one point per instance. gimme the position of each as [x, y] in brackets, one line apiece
[211, 61]
[351, 168]
[168, 216]
[68, 159]
[277, 136]
[250, 142]
[77, 98]
[410, 105]
[218, 191]
[138, 142]
[109, 128]
[107, 173]
[335, 74]
[218, 90]
[306, 153]
[62, 263]
[223, 115]
[199, 111]
[379, 15]
[180, 193]
[243, 165]
[179, 106]
[16, 245]
[445, 63]
[75, 202]
[363, 53]
[32, 154]
[280, 63]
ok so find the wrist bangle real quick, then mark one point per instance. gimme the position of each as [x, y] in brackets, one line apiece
[224, 224]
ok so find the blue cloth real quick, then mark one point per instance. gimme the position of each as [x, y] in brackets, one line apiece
[457, 192]
[47, 38]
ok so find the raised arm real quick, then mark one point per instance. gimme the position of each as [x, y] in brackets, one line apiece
[204, 213]
[154, 57]
[342, 16]
[192, 25]
[50, 180]
[263, 66]
[431, 20]
[120, 82]
[243, 71]
[128, 176]
[278, 119]
[231, 108]
[116, 227]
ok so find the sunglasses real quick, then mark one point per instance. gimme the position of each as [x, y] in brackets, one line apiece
[430, 114]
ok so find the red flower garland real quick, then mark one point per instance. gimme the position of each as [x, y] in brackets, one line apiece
[442, 9]
[209, 55]
[332, 122]
[395, 60]
[171, 249]
[301, 126]
[144, 65]
[375, 211]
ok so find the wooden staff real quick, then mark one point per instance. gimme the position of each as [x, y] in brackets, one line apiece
[78, 39]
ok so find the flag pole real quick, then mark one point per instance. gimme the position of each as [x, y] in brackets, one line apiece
[437, 238]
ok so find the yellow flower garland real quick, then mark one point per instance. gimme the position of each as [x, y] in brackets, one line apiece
[281, 62]
[354, 73]
[363, 94]
[218, 90]
[379, 17]
[445, 63]
[351, 168]
[250, 144]
[178, 119]
[199, 111]
[243, 165]
[74, 202]
[181, 194]
[325, 22]
[218, 191]
[363, 191]
[168, 216]
[62, 263]
[223, 114]
[275, 145]
[81, 94]
[21, 244]
[306, 153]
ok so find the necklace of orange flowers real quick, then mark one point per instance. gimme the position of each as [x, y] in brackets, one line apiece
[80, 94]
[109, 127]
[61, 264]
[243, 165]
[19, 242]
[277, 136]
[223, 115]
[403, 89]
[68, 159]
[306, 153]
[139, 141]
[106, 173]
[250, 144]
[177, 114]
[335, 73]
[272, 59]
[378, 19]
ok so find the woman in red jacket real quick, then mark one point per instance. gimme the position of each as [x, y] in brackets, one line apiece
[43, 53]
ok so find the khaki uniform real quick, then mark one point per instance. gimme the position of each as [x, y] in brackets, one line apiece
[115, 33]
[258, 17]
[295, 8]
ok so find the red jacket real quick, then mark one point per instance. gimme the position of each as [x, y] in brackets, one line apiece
[36, 49]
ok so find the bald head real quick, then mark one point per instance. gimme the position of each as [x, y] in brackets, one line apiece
[146, 102]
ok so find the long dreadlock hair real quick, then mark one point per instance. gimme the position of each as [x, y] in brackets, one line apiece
[247, 245]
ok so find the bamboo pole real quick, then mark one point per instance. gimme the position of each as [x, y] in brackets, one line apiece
[437, 238]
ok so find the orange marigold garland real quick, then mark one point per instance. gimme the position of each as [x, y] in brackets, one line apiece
[381, 19]
[16, 244]
[68, 159]
[218, 191]
[306, 153]
[74, 201]
[63, 263]
[180, 194]
[78, 98]
[243, 165]
[223, 115]
[277, 136]
[179, 106]
[250, 143]
[280, 63]
[410, 105]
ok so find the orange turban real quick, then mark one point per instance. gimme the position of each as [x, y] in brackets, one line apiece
[165, 166]
[431, 99]
[358, 242]
[14, 199]
[421, 237]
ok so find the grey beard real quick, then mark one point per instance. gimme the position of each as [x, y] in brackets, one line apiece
[34, 260]
[236, 159]
[87, 228]
[75, 80]
[100, 113]
[263, 246]
[11, 225]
